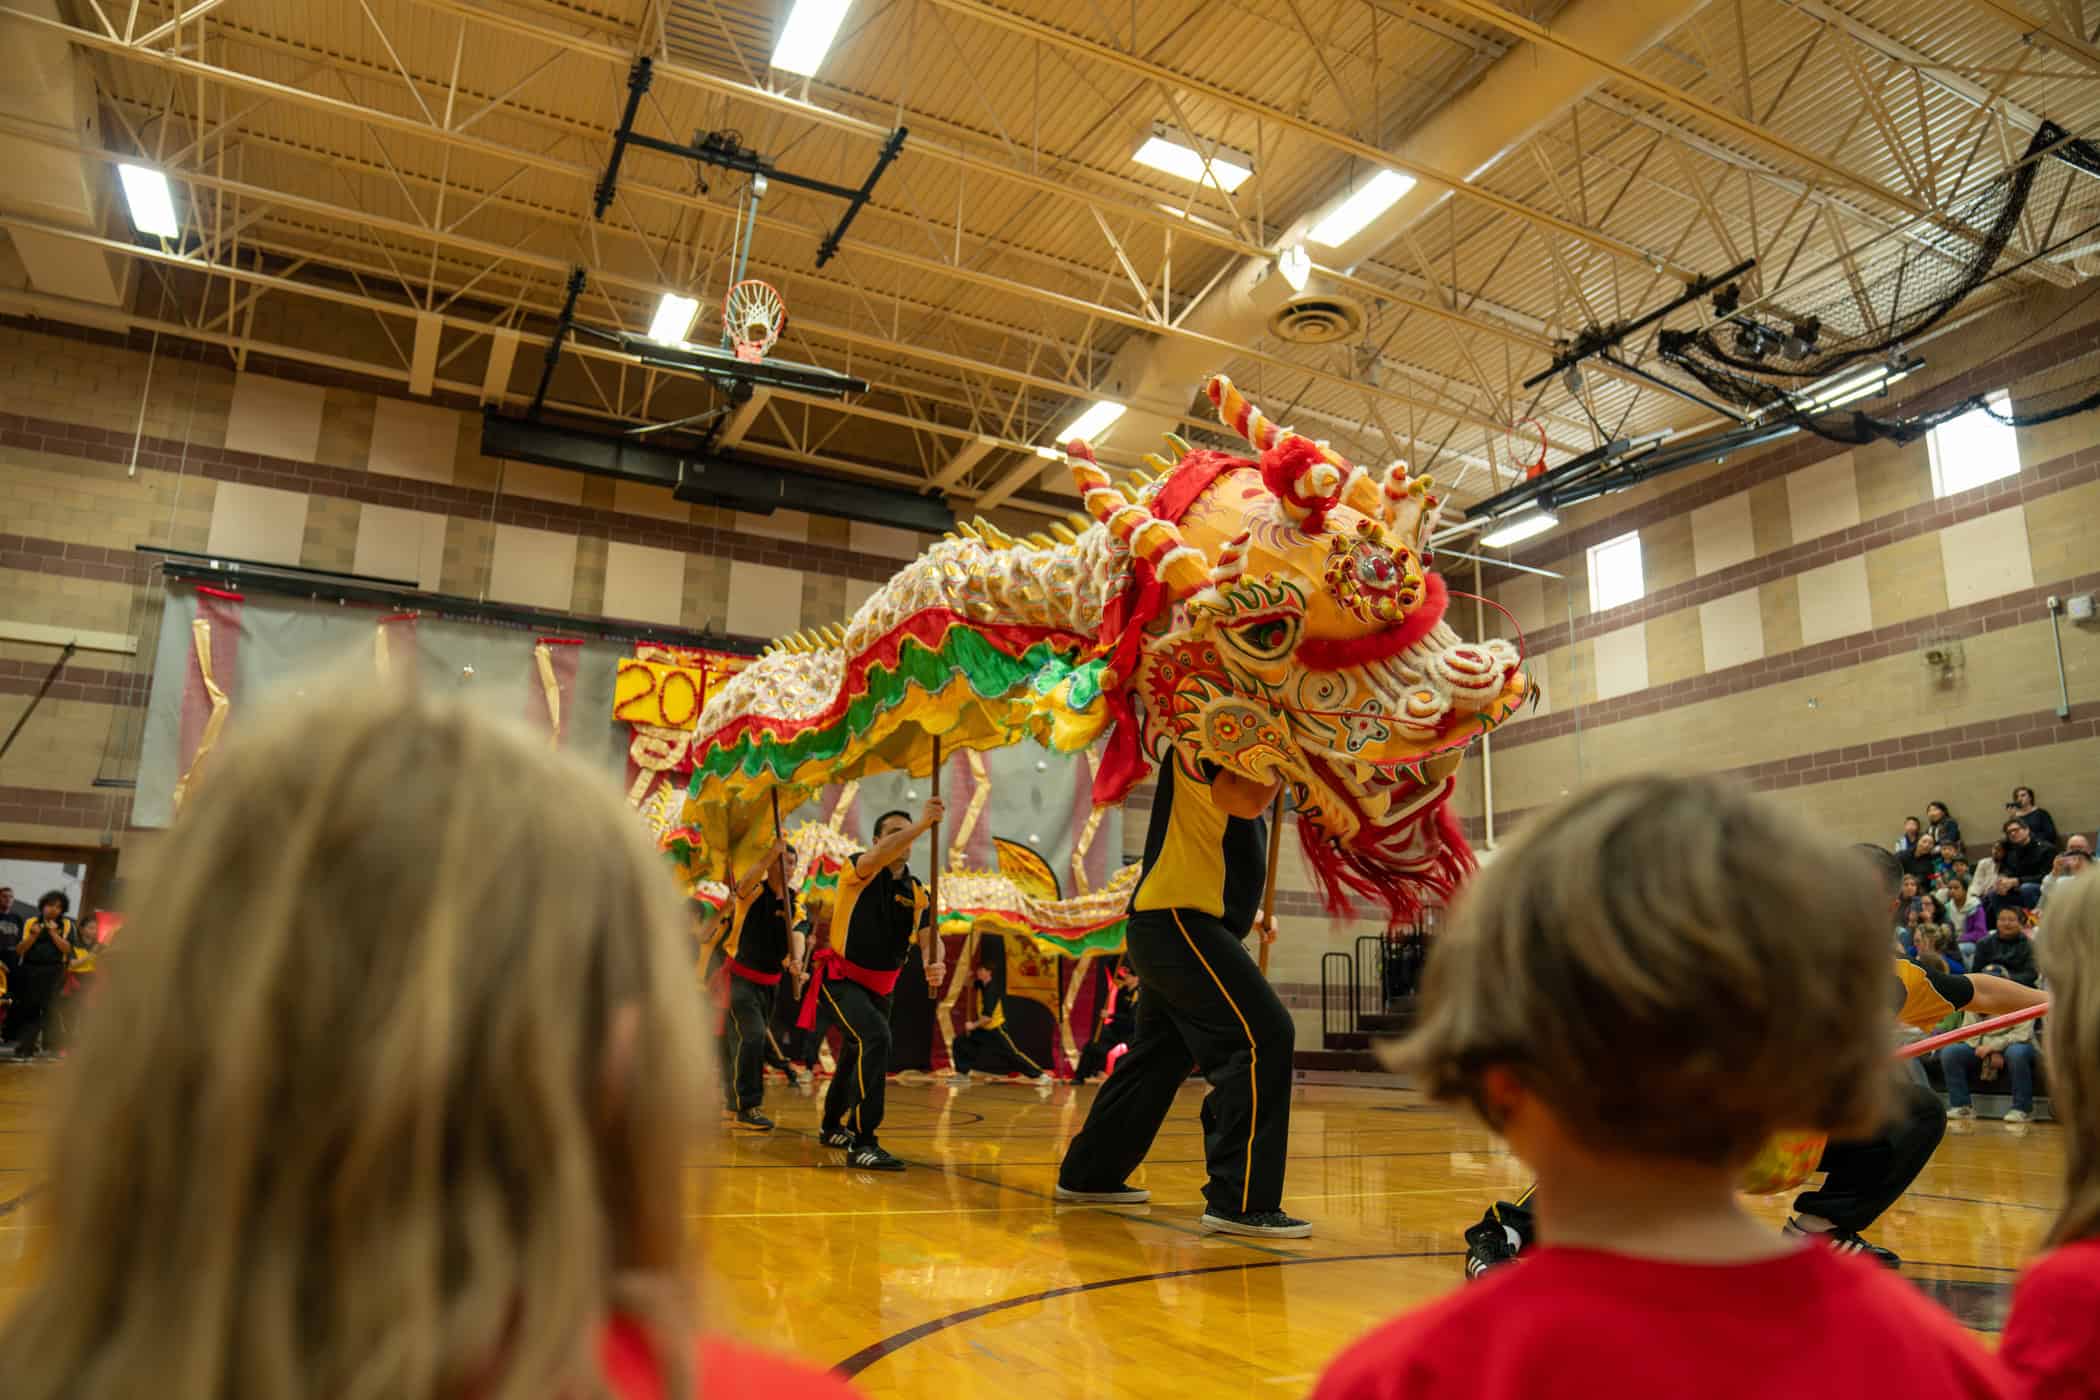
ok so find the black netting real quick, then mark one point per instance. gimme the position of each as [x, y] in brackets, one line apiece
[1891, 291]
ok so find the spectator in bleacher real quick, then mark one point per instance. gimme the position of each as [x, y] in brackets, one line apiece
[1939, 951]
[2076, 856]
[2027, 857]
[1943, 829]
[2008, 1053]
[1962, 913]
[1958, 869]
[1912, 829]
[1985, 878]
[2036, 818]
[10, 927]
[2008, 952]
[2008, 893]
[1921, 861]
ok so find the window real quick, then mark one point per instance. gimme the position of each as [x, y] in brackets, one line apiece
[1615, 572]
[1974, 449]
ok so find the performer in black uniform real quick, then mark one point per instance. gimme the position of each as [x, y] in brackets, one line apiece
[1118, 1025]
[1205, 1000]
[984, 1043]
[879, 909]
[757, 948]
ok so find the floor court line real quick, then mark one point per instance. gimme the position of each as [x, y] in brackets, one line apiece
[888, 1346]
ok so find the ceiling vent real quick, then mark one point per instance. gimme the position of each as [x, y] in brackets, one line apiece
[1317, 318]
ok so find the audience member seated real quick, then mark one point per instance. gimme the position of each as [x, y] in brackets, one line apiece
[2072, 862]
[1962, 913]
[437, 1155]
[1921, 860]
[2009, 893]
[2008, 1054]
[2008, 945]
[1912, 829]
[1942, 828]
[2027, 857]
[1985, 877]
[1939, 950]
[2037, 819]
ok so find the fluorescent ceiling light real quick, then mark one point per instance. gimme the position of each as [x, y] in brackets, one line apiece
[807, 35]
[1522, 527]
[1092, 423]
[152, 204]
[1168, 150]
[674, 317]
[1295, 262]
[1354, 214]
[1049, 454]
[1852, 388]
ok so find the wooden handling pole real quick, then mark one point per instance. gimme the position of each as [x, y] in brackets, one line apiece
[1268, 889]
[933, 872]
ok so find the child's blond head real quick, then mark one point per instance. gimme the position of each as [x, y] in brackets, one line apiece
[1673, 968]
[392, 1087]
[2068, 947]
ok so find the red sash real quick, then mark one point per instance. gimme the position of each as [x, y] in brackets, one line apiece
[829, 963]
[752, 974]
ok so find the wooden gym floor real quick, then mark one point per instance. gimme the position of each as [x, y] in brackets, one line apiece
[962, 1276]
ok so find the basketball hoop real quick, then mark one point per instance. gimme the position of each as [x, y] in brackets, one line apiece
[1525, 442]
[753, 316]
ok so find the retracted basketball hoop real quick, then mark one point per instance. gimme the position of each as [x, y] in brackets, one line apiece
[753, 316]
[1525, 443]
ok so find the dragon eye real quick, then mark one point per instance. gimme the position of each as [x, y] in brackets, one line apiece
[1266, 638]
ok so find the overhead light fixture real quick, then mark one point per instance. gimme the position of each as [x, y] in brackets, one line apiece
[1049, 454]
[674, 317]
[1520, 528]
[1354, 214]
[1092, 423]
[1573, 379]
[152, 202]
[807, 35]
[1295, 263]
[1199, 163]
[1866, 385]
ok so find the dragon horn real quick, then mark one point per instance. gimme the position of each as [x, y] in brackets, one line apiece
[1236, 413]
[969, 530]
[1157, 542]
[1178, 445]
[1062, 532]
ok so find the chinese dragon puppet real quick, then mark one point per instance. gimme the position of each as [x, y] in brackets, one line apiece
[1273, 614]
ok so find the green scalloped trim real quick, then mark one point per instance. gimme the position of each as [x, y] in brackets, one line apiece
[1042, 670]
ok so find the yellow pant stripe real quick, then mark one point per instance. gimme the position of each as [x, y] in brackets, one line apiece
[1253, 1061]
[860, 1056]
[1017, 1050]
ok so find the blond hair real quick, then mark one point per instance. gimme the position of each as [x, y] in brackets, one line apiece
[1672, 968]
[391, 1090]
[2069, 950]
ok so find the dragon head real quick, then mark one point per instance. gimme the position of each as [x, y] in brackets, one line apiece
[1283, 622]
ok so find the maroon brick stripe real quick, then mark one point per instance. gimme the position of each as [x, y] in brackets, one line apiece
[62, 560]
[101, 687]
[377, 488]
[2006, 735]
[79, 811]
[2032, 484]
[1976, 619]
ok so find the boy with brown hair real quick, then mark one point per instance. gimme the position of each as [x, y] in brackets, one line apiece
[1636, 1047]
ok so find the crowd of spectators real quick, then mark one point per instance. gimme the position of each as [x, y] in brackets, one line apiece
[1982, 918]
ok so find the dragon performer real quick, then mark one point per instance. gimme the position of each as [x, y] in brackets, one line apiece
[1247, 624]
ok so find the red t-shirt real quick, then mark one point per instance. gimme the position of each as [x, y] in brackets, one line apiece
[1582, 1323]
[727, 1371]
[2052, 1340]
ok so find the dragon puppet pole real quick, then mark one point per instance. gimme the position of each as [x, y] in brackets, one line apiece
[1919, 1048]
[1268, 889]
[933, 864]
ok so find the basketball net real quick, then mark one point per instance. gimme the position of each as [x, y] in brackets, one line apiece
[753, 316]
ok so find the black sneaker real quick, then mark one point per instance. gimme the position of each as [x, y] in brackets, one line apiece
[835, 1137]
[870, 1157]
[1125, 1195]
[1270, 1224]
[1490, 1245]
[754, 1120]
[1849, 1242]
